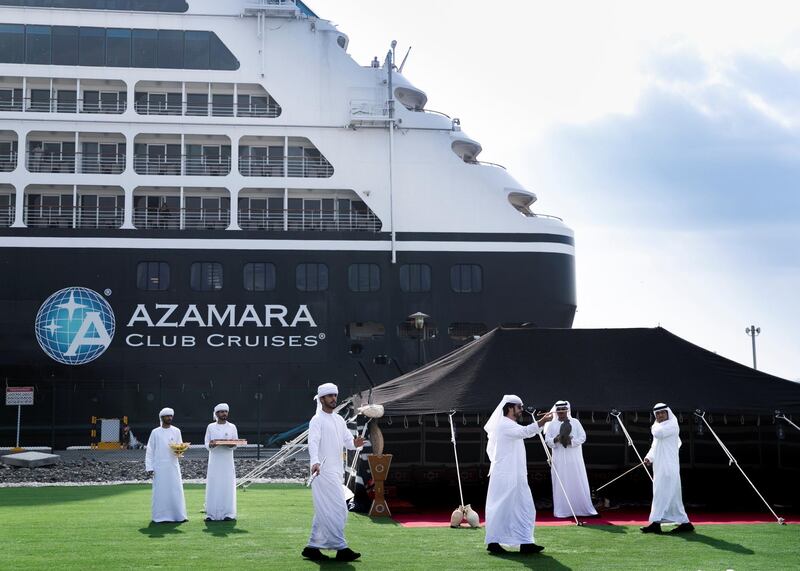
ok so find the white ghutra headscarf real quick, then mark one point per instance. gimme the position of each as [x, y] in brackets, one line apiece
[324, 390]
[492, 424]
[166, 411]
[219, 407]
[671, 420]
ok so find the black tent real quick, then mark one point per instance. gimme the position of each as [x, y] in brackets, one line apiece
[596, 369]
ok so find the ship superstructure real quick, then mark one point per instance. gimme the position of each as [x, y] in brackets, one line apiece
[255, 212]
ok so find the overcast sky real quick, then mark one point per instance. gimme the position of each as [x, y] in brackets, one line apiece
[665, 134]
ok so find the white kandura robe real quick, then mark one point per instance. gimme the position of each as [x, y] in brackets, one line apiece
[667, 500]
[510, 513]
[169, 503]
[221, 475]
[569, 463]
[327, 436]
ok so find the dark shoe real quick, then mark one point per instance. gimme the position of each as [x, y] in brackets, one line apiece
[654, 527]
[683, 528]
[495, 548]
[229, 519]
[314, 554]
[530, 548]
[347, 554]
[209, 519]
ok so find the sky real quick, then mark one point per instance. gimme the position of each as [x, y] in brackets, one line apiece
[665, 134]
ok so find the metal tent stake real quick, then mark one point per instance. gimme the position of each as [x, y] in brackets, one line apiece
[617, 415]
[731, 460]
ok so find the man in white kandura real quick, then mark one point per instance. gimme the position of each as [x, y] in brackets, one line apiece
[221, 476]
[565, 436]
[663, 456]
[327, 436]
[510, 513]
[169, 505]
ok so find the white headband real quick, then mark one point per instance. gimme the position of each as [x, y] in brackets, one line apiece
[219, 407]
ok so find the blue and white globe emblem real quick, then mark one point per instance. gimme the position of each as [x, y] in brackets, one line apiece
[75, 325]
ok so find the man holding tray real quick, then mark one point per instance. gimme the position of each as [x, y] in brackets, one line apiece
[161, 459]
[221, 437]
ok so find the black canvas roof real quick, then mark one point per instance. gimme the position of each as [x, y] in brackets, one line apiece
[595, 369]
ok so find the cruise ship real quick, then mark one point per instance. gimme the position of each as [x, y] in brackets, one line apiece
[206, 201]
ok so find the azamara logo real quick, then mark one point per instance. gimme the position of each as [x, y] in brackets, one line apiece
[75, 325]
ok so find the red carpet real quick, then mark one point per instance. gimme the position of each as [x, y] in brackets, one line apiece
[407, 516]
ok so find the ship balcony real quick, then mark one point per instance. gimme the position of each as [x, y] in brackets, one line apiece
[183, 218]
[187, 165]
[173, 155]
[284, 210]
[97, 153]
[292, 166]
[294, 157]
[62, 95]
[156, 208]
[7, 201]
[204, 100]
[73, 206]
[308, 220]
[8, 151]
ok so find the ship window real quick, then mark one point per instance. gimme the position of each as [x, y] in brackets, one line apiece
[12, 43]
[259, 277]
[118, 47]
[366, 331]
[127, 5]
[37, 44]
[145, 48]
[92, 50]
[466, 331]
[408, 330]
[364, 277]
[206, 276]
[40, 100]
[220, 55]
[415, 278]
[466, 278]
[222, 105]
[152, 276]
[197, 104]
[65, 45]
[311, 277]
[170, 49]
[197, 48]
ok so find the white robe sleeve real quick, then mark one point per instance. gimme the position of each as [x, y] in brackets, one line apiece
[180, 436]
[347, 436]
[518, 432]
[578, 434]
[671, 429]
[148, 456]
[208, 437]
[651, 454]
[314, 436]
[235, 433]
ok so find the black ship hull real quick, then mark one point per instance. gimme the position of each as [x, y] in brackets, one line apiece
[263, 352]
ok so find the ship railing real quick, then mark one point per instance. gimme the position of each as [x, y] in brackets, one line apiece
[302, 167]
[101, 164]
[185, 218]
[269, 111]
[207, 166]
[53, 105]
[308, 220]
[8, 162]
[86, 163]
[177, 165]
[6, 216]
[41, 216]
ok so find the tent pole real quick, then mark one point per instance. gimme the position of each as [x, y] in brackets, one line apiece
[615, 413]
[779, 414]
[731, 460]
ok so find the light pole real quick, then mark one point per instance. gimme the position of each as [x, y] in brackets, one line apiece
[419, 324]
[753, 332]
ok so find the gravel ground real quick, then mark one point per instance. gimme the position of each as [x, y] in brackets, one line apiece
[88, 470]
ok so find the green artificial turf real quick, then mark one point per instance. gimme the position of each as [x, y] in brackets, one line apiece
[108, 527]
